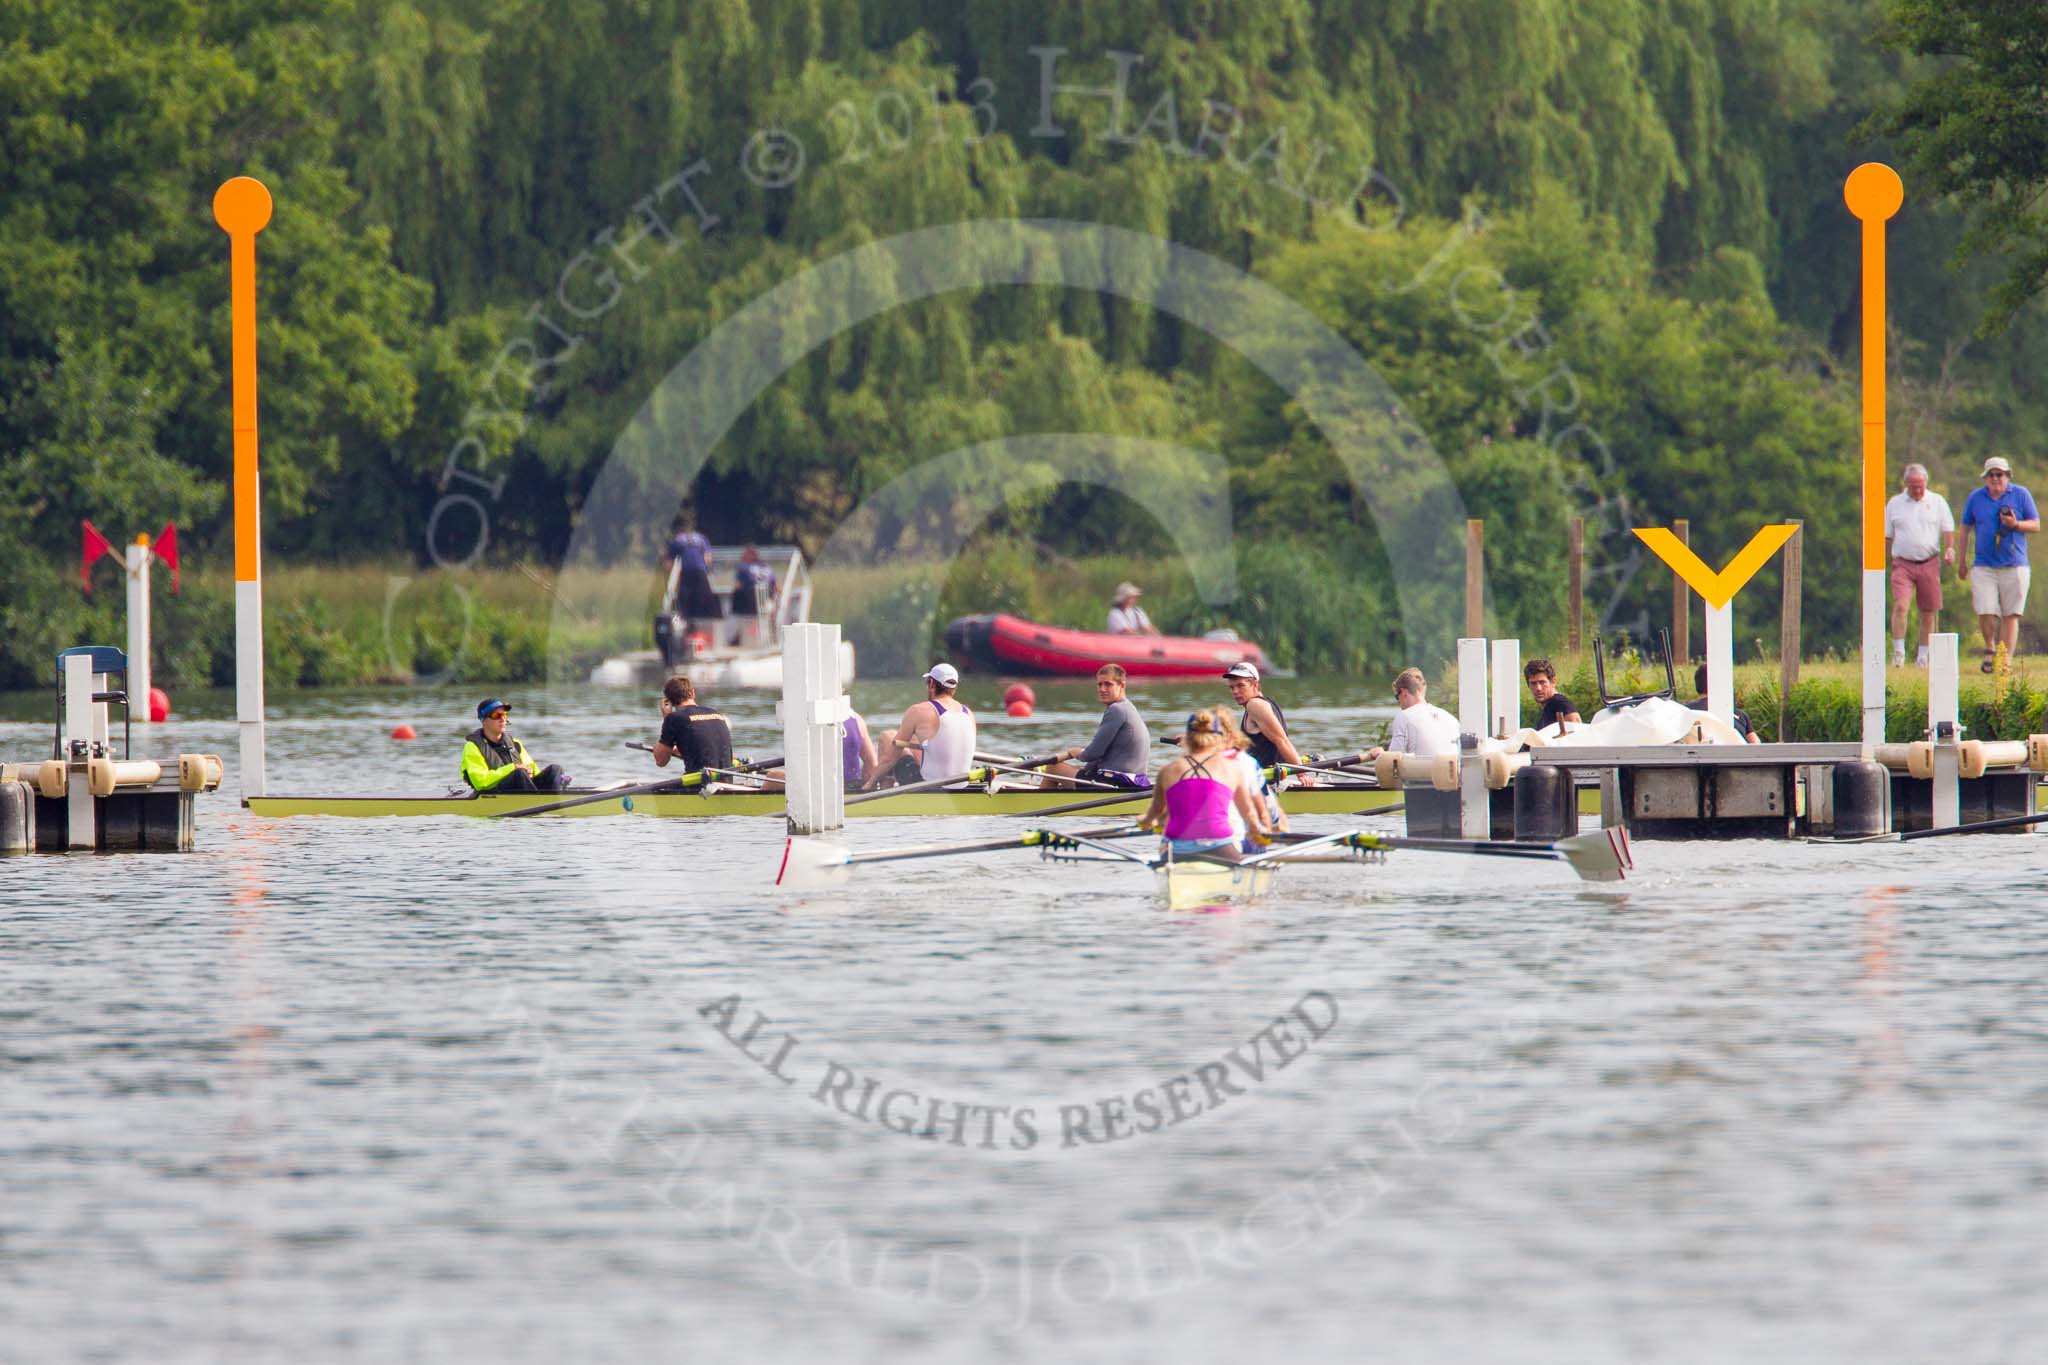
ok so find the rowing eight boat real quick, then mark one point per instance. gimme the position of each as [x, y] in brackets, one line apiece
[1345, 799]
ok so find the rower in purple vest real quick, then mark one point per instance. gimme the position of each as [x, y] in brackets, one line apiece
[856, 751]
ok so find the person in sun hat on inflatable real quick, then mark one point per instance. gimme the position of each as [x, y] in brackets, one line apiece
[494, 761]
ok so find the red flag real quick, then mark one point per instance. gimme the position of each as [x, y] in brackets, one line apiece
[167, 550]
[95, 546]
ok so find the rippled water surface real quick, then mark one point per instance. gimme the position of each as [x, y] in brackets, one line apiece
[552, 1090]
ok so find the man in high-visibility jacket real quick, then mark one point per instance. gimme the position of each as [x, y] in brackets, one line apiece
[493, 761]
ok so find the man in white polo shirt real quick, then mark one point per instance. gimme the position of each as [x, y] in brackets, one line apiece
[1420, 728]
[1914, 523]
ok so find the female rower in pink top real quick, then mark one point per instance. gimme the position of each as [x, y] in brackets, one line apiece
[1194, 794]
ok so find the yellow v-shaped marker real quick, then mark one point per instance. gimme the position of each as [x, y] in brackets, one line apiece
[1718, 589]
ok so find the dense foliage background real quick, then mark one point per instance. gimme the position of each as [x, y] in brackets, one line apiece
[1601, 256]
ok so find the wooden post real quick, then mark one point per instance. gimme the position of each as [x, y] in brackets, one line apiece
[1475, 579]
[1788, 629]
[1575, 594]
[1681, 605]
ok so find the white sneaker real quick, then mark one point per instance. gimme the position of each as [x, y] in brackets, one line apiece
[1920, 659]
[1898, 656]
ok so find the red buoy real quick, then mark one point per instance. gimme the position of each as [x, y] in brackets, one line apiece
[159, 706]
[403, 731]
[1017, 692]
[1019, 708]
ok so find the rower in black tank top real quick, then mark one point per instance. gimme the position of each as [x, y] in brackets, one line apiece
[1263, 750]
[700, 735]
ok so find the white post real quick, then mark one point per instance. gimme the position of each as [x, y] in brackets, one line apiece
[1943, 730]
[1506, 717]
[81, 723]
[139, 556]
[1474, 806]
[1873, 658]
[1721, 662]
[249, 681]
[813, 710]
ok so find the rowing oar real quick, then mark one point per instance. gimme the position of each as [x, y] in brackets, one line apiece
[1976, 827]
[808, 863]
[1093, 803]
[1600, 855]
[685, 782]
[971, 775]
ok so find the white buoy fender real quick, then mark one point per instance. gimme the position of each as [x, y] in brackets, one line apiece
[1980, 755]
[50, 780]
[2037, 752]
[1386, 769]
[200, 772]
[1501, 769]
[1443, 771]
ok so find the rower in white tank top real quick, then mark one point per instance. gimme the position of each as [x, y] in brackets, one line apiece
[949, 753]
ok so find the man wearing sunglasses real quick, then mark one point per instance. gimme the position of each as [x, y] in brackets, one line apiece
[493, 761]
[2002, 515]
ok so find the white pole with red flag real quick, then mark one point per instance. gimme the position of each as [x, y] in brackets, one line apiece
[138, 631]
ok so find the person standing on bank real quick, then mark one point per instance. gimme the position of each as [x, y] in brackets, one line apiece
[1557, 707]
[1264, 723]
[1914, 523]
[698, 735]
[1121, 747]
[493, 761]
[2003, 515]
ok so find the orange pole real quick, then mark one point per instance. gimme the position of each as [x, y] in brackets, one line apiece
[242, 208]
[1873, 193]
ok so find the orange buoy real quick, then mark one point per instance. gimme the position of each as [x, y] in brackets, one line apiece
[404, 732]
[1017, 692]
[159, 706]
[1019, 708]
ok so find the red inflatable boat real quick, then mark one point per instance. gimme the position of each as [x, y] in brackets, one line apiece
[1009, 644]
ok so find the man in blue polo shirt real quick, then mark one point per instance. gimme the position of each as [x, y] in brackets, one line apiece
[2002, 515]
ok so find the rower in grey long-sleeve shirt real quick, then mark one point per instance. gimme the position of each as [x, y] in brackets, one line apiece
[1121, 749]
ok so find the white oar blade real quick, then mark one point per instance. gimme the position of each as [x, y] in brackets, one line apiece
[1600, 855]
[810, 864]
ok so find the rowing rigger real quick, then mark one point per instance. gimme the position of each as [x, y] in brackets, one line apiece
[810, 863]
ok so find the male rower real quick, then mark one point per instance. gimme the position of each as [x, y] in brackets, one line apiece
[699, 735]
[1263, 723]
[1420, 727]
[1118, 753]
[493, 761]
[935, 742]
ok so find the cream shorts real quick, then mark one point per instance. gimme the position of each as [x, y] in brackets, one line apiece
[2000, 591]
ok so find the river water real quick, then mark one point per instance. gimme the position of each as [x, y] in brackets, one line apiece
[546, 1090]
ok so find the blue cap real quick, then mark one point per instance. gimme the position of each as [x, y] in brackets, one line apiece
[490, 704]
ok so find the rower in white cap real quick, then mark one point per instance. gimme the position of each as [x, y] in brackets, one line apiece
[935, 742]
[1264, 724]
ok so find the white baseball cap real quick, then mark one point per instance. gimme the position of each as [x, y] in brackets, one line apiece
[1243, 668]
[945, 675]
[1998, 463]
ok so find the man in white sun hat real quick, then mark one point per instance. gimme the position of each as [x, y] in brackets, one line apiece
[935, 742]
[2002, 515]
[1126, 617]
